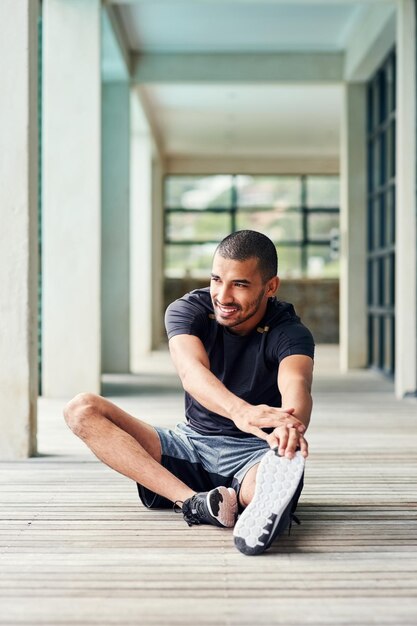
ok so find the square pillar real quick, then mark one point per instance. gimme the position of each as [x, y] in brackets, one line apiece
[71, 197]
[141, 241]
[406, 184]
[115, 297]
[158, 241]
[353, 325]
[18, 232]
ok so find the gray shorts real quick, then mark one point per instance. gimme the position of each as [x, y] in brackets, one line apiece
[203, 462]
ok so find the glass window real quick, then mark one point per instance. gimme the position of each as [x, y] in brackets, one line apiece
[382, 95]
[391, 150]
[370, 108]
[322, 192]
[201, 226]
[299, 213]
[388, 277]
[194, 260]
[272, 192]
[389, 356]
[321, 262]
[277, 225]
[376, 160]
[289, 261]
[198, 192]
[323, 225]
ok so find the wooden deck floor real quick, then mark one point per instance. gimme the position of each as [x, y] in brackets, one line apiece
[76, 547]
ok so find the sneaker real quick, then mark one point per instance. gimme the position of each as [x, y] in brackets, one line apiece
[217, 507]
[279, 483]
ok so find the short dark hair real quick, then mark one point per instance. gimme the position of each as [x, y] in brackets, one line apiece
[248, 244]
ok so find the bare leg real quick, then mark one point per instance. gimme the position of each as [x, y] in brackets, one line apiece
[247, 488]
[124, 443]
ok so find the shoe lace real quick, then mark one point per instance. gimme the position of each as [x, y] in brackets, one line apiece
[176, 507]
[192, 513]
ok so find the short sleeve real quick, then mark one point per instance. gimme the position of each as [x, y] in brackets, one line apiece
[292, 339]
[185, 317]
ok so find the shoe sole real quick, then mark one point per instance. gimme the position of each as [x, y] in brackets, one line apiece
[269, 513]
[222, 504]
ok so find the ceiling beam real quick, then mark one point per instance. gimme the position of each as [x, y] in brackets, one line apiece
[371, 41]
[147, 110]
[223, 2]
[252, 164]
[120, 36]
[317, 67]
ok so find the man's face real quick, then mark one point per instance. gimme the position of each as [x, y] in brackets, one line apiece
[239, 294]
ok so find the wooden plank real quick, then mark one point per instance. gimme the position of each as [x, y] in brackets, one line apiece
[77, 546]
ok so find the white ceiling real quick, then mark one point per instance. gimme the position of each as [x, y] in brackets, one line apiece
[267, 120]
[237, 26]
[242, 120]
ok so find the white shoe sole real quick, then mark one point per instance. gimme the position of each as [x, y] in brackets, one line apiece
[269, 513]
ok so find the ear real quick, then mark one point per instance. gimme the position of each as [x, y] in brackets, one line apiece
[272, 286]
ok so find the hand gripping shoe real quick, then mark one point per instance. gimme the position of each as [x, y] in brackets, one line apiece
[217, 507]
[279, 482]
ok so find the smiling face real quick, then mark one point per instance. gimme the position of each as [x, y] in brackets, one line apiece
[239, 294]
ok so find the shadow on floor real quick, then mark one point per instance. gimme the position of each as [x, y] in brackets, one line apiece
[140, 384]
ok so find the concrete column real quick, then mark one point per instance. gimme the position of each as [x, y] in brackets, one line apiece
[115, 227]
[18, 232]
[158, 311]
[71, 197]
[353, 327]
[406, 261]
[140, 237]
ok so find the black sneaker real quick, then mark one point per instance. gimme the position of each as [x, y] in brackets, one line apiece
[279, 483]
[217, 507]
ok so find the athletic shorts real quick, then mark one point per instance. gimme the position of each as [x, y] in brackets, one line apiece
[203, 462]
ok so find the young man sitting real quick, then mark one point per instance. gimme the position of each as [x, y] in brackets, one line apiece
[245, 361]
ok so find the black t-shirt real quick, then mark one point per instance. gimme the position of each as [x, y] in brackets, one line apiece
[246, 364]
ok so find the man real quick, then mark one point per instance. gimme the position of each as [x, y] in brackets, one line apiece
[245, 362]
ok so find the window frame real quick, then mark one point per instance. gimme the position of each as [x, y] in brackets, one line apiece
[303, 243]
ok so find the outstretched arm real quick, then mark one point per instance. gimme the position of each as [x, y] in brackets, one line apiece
[192, 363]
[295, 375]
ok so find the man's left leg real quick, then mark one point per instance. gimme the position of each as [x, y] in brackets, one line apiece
[247, 488]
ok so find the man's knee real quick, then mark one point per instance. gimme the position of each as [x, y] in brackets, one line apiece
[80, 411]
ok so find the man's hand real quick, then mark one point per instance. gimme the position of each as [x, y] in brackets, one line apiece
[253, 418]
[287, 440]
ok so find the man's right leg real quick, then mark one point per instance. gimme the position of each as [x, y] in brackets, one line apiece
[124, 443]
[279, 482]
